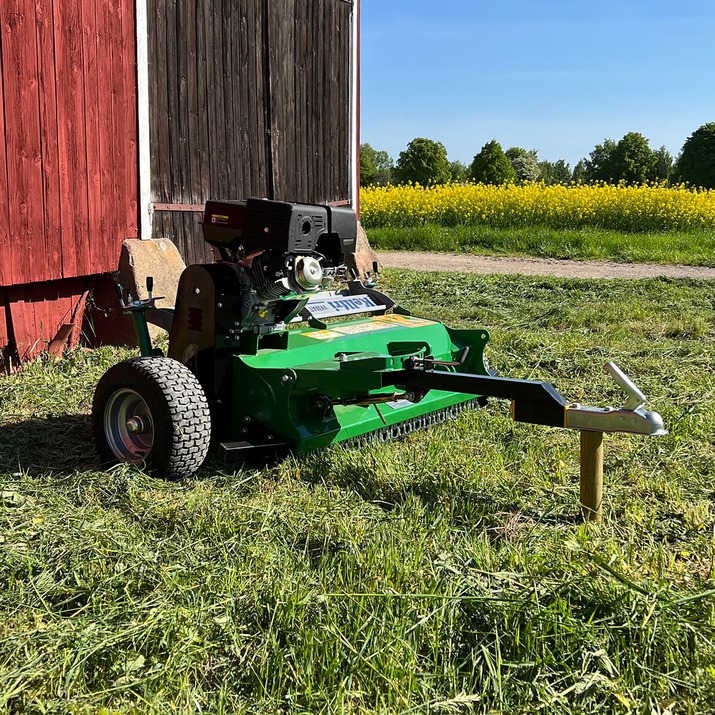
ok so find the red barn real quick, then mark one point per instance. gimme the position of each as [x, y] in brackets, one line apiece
[120, 118]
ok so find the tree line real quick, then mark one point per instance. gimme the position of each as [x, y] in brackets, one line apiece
[629, 160]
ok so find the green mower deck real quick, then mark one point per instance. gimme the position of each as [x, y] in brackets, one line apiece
[332, 384]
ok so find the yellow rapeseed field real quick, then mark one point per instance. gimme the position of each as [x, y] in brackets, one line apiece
[618, 208]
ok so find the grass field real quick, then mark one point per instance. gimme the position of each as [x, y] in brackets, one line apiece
[694, 248]
[445, 573]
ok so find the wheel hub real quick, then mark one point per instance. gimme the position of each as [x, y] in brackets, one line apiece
[128, 426]
[138, 424]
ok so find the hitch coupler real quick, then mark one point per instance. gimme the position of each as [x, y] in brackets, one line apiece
[629, 418]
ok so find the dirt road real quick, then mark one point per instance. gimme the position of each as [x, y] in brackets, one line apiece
[536, 266]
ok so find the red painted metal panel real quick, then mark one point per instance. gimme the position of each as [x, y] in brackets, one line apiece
[21, 257]
[39, 310]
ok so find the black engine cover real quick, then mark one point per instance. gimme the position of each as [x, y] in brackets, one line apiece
[291, 228]
[262, 224]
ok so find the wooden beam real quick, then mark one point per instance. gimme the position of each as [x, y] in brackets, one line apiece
[177, 207]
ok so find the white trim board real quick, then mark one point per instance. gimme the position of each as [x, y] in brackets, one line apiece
[144, 148]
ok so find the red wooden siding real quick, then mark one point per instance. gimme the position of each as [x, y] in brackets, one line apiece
[22, 135]
[68, 165]
[50, 146]
[4, 217]
[39, 310]
[4, 336]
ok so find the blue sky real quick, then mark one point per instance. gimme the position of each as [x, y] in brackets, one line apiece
[550, 75]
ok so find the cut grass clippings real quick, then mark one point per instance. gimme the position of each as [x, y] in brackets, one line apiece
[693, 248]
[445, 573]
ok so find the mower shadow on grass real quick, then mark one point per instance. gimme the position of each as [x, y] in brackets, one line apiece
[466, 503]
[60, 444]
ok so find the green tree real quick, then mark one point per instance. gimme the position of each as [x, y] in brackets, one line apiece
[375, 166]
[663, 164]
[696, 163]
[368, 171]
[525, 163]
[599, 166]
[423, 162]
[385, 166]
[630, 160]
[555, 172]
[633, 160]
[492, 166]
[580, 171]
[514, 152]
[458, 172]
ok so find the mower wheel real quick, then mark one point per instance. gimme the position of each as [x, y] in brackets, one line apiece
[152, 411]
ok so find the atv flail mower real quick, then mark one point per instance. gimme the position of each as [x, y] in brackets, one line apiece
[275, 347]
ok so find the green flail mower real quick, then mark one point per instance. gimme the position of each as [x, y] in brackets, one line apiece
[275, 347]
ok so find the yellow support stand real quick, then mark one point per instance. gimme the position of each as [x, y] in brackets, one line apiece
[592, 476]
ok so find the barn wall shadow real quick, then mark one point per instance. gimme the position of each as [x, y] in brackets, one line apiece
[60, 444]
